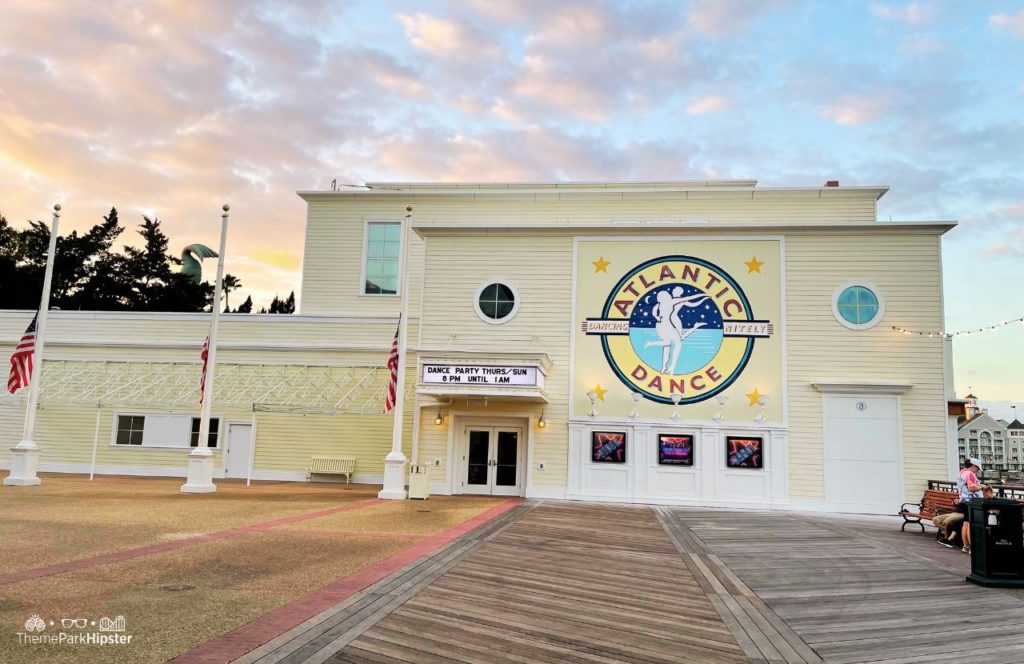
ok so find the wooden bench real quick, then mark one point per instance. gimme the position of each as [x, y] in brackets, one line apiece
[932, 504]
[322, 465]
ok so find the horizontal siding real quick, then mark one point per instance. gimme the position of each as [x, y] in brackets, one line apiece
[540, 269]
[906, 269]
[334, 243]
[284, 441]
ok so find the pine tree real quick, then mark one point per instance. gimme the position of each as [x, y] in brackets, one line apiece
[13, 293]
[246, 307]
[154, 285]
[289, 304]
[104, 288]
[77, 261]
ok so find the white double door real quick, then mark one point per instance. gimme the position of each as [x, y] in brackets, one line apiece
[492, 460]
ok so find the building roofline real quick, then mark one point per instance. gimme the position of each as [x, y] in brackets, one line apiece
[716, 188]
[637, 228]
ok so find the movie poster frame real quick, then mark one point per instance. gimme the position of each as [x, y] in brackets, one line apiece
[693, 450]
[593, 449]
[761, 443]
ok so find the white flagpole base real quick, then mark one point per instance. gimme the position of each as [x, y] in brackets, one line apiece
[394, 478]
[200, 473]
[24, 462]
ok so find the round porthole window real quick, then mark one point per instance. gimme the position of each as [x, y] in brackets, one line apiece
[858, 305]
[496, 302]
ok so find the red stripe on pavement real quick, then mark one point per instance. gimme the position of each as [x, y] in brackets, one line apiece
[248, 637]
[50, 570]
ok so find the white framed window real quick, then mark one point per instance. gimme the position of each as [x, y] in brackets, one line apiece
[162, 430]
[382, 248]
[212, 438]
[496, 301]
[858, 305]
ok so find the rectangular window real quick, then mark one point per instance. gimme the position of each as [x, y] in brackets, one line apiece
[163, 430]
[383, 244]
[211, 438]
[129, 429]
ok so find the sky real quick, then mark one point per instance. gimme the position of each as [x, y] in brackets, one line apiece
[171, 109]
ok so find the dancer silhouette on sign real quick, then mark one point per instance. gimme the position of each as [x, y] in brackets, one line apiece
[669, 326]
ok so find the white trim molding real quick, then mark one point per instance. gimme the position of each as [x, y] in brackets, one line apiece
[496, 281]
[867, 285]
[860, 387]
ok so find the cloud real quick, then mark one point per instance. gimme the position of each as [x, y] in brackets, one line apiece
[721, 17]
[447, 38]
[856, 109]
[911, 14]
[708, 104]
[1012, 23]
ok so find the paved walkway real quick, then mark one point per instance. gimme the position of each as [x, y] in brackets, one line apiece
[572, 582]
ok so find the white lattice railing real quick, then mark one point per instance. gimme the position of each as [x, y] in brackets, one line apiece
[166, 385]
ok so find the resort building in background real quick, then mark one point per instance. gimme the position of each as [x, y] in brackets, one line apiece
[997, 443]
[707, 343]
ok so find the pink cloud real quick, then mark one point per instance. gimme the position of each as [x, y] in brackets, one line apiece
[708, 104]
[448, 38]
[1012, 23]
[855, 109]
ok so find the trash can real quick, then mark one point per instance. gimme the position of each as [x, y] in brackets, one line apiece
[419, 482]
[997, 544]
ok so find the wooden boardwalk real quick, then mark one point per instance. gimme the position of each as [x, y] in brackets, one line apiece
[567, 583]
[573, 582]
[861, 599]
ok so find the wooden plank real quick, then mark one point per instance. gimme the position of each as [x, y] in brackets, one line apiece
[566, 583]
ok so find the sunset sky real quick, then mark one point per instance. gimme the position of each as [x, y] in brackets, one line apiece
[172, 108]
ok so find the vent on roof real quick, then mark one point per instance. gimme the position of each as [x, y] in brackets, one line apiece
[832, 183]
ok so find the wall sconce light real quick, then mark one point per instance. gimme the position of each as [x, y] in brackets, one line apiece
[636, 402]
[439, 418]
[593, 401]
[722, 400]
[761, 401]
[676, 398]
[541, 423]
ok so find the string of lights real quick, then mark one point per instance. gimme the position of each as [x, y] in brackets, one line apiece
[961, 333]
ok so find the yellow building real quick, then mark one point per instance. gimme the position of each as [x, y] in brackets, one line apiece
[711, 343]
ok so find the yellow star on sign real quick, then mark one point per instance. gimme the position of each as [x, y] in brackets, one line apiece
[601, 265]
[600, 391]
[754, 265]
[753, 396]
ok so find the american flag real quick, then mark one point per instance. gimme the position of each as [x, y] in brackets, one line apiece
[389, 401]
[202, 377]
[21, 360]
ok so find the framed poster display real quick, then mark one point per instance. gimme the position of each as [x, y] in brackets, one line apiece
[744, 451]
[608, 447]
[675, 449]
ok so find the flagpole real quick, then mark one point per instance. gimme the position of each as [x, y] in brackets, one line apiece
[25, 455]
[200, 460]
[394, 462]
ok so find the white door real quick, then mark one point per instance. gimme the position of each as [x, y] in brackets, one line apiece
[492, 460]
[238, 450]
[863, 467]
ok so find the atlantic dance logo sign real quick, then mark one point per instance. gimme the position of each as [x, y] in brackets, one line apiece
[677, 326]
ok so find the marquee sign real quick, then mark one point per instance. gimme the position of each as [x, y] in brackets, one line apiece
[677, 325]
[475, 374]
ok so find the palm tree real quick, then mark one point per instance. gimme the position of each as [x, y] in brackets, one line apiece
[230, 283]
